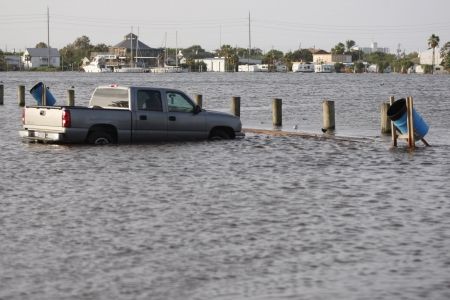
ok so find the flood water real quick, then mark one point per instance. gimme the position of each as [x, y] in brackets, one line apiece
[265, 217]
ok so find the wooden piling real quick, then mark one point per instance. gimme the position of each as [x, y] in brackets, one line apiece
[44, 95]
[236, 106]
[1, 94]
[385, 121]
[71, 97]
[21, 95]
[328, 115]
[277, 112]
[199, 100]
[410, 123]
[393, 129]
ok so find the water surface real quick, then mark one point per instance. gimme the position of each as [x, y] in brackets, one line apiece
[260, 218]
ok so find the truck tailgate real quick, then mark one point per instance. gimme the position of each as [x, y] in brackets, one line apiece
[43, 116]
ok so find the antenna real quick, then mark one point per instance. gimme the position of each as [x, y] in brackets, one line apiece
[176, 48]
[48, 37]
[131, 50]
[220, 36]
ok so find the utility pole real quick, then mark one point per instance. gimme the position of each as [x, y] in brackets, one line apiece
[48, 37]
[249, 39]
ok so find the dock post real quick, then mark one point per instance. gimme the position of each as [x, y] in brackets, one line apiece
[328, 115]
[385, 121]
[1, 94]
[199, 100]
[410, 122]
[236, 106]
[394, 135]
[44, 95]
[277, 112]
[21, 95]
[71, 97]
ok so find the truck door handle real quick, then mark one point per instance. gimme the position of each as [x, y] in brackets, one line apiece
[172, 118]
[143, 117]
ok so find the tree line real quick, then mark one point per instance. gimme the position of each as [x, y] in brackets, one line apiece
[73, 53]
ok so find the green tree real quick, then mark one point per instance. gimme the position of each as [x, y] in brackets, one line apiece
[196, 52]
[339, 67]
[41, 45]
[2, 61]
[382, 60]
[302, 55]
[445, 54]
[338, 49]
[349, 44]
[272, 57]
[433, 42]
[100, 48]
[231, 57]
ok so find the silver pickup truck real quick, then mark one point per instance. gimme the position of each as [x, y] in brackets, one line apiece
[128, 114]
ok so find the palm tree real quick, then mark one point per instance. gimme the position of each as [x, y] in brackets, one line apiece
[433, 42]
[349, 44]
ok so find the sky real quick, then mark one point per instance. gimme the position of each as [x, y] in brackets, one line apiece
[284, 25]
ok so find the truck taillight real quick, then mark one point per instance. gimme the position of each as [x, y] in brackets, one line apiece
[23, 116]
[66, 121]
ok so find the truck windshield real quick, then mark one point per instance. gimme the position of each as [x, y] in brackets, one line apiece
[110, 98]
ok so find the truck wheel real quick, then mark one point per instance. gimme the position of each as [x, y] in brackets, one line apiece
[219, 134]
[99, 138]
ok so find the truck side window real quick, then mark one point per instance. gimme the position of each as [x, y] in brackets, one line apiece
[149, 100]
[177, 102]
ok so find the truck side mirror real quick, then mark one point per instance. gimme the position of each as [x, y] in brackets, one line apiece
[197, 109]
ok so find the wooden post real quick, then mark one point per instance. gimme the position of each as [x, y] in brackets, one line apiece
[393, 129]
[199, 100]
[44, 95]
[71, 97]
[236, 106]
[277, 113]
[328, 115]
[385, 121]
[21, 95]
[1, 94]
[410, 122]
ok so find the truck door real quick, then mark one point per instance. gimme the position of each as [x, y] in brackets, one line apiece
[150, 121]
[183, 123]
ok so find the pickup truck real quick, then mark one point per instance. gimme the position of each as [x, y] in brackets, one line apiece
[128, 114]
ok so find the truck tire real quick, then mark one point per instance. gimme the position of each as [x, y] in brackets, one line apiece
[100, 138]
[219, 134]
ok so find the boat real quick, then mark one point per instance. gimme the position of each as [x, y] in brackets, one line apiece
[130, 70]
[323, 68]
[302, 67]
[167, 69]
[97, 65]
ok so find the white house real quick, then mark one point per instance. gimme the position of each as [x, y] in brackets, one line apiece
[38, 57]
[426, 58]
[216, 64]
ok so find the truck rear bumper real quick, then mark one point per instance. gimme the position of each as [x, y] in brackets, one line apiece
[40, 136]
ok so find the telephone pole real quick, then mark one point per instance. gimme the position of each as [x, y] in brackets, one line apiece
[48, 37]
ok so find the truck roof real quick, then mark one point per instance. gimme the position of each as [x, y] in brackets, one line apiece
[125, 87]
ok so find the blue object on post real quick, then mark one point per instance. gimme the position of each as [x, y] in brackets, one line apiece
[397, 113]
[36, 92]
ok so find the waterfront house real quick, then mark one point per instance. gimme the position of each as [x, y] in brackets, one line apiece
[12, 62]
[426, 58]
[216, 64]
[39, 57]
[323, 57]
[132, 48]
